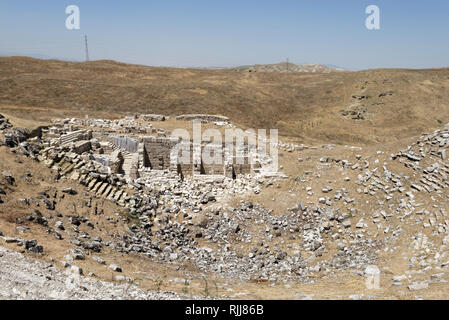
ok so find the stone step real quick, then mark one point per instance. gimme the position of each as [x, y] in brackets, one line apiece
[118, 195]
[102, 188]
[121, 200]
[88, 179]
[112, 194]
[68, 169]
[97, 186]
[64, 164]
[83, 179]
[70, 137]
[92, 183]
[79, 165]
[107, 191]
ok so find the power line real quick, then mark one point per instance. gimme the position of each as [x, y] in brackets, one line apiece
[87, 48]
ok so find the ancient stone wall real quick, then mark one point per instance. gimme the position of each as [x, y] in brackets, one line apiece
[102, 160]
[133, 170]
[155, 153]
[82, 146]
[189, 167]
[152, 117]
[243, 168]
[75, 136]
[158, 151]
[216, 164]
[126, 143]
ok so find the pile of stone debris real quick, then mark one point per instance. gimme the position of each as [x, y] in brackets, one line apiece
[26, 278]
[226, 228]
[4, 123]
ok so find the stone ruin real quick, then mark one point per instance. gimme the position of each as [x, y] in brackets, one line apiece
[126, 147]
[153, 117]
[156, 153]
[130, 162]
[133, 155]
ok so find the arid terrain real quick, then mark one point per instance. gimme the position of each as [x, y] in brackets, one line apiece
[365, 107]
[363, 181]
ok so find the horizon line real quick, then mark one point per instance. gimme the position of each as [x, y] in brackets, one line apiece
[48, 58]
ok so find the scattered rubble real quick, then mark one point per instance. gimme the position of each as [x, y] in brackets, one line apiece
[180, 215]
[24, 278]
[4, 123]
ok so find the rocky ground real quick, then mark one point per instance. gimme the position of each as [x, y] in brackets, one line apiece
[341, 212]
[31, 279]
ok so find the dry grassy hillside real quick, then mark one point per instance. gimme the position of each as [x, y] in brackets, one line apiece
[390, 104]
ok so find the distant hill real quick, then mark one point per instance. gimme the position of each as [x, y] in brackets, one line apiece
[287, 67]
[352, 107]
[34, 55]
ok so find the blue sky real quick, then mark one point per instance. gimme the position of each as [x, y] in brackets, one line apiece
[206, 33]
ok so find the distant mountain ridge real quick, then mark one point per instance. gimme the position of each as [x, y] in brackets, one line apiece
[287, 67]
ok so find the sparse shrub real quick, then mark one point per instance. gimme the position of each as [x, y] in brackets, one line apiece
[185, 289]
[158, 284]
[216, 288]
[206, 287]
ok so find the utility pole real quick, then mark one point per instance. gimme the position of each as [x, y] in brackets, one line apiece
[287, 64]
[87, 48]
